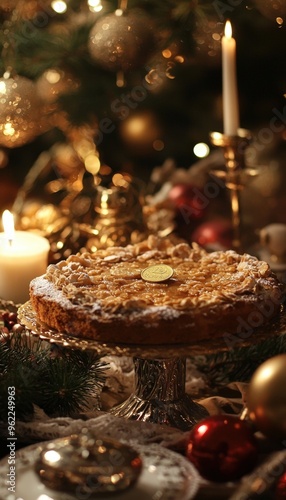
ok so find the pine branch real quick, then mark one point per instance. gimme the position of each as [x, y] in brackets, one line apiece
[36, 48]
[34, 54]
[239, 364]
[61, 381]
[68, 382]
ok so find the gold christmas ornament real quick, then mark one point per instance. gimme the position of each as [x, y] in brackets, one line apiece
[140, 130]
[122, 40]
[54, 82]
[266, 399]
[20, 112]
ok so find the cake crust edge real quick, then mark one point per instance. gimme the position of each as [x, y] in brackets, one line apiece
[237, 317]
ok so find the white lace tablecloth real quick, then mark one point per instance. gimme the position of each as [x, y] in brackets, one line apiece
[143, 435]
[119, 384]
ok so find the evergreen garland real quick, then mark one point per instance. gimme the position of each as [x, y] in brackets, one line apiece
[60, 381]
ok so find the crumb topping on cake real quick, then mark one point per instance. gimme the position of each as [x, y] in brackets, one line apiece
[111, 278]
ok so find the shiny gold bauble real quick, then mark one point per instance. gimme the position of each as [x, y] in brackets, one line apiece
[54, 82]
[122, 40]
[20, 112]
[266, 399]
[140, 130]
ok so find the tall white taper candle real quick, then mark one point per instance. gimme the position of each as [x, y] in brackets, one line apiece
[229, 82]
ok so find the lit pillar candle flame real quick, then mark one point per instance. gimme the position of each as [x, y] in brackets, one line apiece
[8, 225]
[229, 82]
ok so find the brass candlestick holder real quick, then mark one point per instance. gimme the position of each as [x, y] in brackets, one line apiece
[235, 174]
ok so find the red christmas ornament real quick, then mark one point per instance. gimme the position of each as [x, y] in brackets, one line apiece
[280, 492]
[222, 448]
[189, 201]
[216, 231]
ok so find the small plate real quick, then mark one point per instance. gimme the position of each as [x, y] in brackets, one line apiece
[165, 475]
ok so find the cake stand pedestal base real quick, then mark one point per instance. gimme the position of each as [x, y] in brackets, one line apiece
[160, 396]
[160, 370]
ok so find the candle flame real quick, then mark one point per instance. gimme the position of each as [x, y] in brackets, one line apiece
[228, 29]
[8, 225]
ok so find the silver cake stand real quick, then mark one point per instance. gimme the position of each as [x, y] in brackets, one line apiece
[160, 370]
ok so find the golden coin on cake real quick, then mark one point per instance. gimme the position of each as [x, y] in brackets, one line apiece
[156, 292]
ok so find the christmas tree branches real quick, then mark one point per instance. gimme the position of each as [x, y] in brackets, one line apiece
[46, 40]
[43, 44]
[239, 363]
[62, 382]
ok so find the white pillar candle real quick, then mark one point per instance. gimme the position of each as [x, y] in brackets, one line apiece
[23, 256]
[229, 82]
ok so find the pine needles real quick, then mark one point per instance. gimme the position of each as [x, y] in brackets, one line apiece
[61, 382]
[239, 364]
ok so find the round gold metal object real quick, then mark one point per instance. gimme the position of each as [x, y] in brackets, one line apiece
[266, 398]
[157, 273]
[86, 464]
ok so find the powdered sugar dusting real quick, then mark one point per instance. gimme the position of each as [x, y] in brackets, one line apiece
[108, 282]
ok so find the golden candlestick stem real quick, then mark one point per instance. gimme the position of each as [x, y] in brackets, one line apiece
[236, 240]
[235, 173]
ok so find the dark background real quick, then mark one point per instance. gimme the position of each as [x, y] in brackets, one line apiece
[186, 108]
